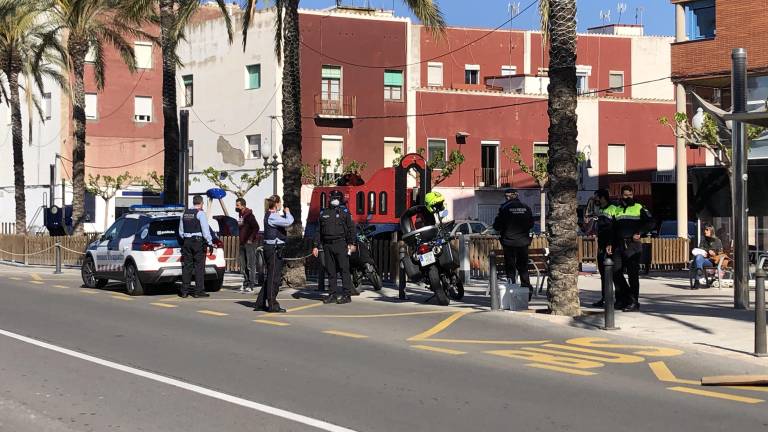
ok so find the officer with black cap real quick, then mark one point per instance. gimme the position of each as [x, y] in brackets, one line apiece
[514, 223]
[196, 236]
[337, 236]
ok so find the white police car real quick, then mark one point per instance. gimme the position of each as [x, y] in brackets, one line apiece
[142, 248]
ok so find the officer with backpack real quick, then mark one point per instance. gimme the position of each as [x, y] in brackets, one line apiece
[196, 240]
[337, 236]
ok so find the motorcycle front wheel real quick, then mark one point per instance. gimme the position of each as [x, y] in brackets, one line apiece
[454, 286]
[374, 277]
[436, 285]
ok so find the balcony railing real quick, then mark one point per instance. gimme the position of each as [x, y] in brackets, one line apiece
[492, 178]
[338, 107]
[663, 177]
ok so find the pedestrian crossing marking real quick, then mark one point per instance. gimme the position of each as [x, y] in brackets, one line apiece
[164, 305]
[438, 350]
[212, 313]
[270, 322]
[561, 369]
[345, 334]
[716, 395]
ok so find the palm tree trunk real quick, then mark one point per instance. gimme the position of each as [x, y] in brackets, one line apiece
[18, 150]
[563, 290]
[170, 118]
[295, 274]
[77, 52]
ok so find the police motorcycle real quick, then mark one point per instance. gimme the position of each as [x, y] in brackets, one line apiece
[361, 264]
[429, 256]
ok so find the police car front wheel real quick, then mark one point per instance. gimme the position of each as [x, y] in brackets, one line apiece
[88, 272]
[133, 284]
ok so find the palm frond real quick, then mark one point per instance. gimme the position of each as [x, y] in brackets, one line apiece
[227, 19]
[247, 17]
[428, 13]
[544, 17]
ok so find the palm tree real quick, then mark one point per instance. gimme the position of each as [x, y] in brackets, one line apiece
[173, 17]
[287, 40]
[28, 45]
[559, 27]
[90, 25]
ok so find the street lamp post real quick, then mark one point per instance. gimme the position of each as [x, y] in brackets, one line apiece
[274, 164]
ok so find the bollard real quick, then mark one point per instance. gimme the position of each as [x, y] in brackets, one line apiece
[321, 273]
[465, 269]
[58, 258]
[401, 280]
[494, 286]
[760, 338]
[608, 297]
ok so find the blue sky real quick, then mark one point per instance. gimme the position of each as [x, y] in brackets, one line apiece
[658, 16]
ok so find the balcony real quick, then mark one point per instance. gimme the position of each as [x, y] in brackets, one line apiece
[492, 178]
[342, 107]
[663, 177]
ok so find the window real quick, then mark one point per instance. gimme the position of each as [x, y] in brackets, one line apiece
[434, 74]
[143, 53]
[616, 159]
[477, 227]
[582, 78]
[371, 202]
[700, 19]
[616, 82]
[47, 106]
[190, 155]
[382, 203]
[142, 109]
[390, 144]
[91, 106]
[507, 70]
[472, 74]
[323, 200]
[90, 56]
[332, 150]
[393, 85]
[360, 202]
[252, 77]
[129, 227]
[114, 230]
[331, 84]
[188, 90]
[665, 159]
[540, 153]
[436, 150]
[463, 228]
[254, 146]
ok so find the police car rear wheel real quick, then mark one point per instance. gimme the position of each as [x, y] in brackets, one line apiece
[88, 272]
[133, 284]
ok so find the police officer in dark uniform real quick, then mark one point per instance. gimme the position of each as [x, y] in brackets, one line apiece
[275, 236]
[603, 218]
[337, 236]
[514, 223]
[196, 236]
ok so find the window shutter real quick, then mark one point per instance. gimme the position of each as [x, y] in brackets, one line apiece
[143, 53]
[616, 159]
[254, 76]
[143, 108]
[332, 72]
[91, 108]
[393, 78]
[434, 74]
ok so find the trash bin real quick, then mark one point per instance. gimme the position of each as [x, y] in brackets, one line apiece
[513, 297]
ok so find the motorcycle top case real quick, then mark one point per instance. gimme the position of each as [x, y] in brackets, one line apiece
[449, 258]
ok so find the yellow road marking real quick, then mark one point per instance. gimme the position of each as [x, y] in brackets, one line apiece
[164, 305]
[753, 388]
[716, 395]
[309, 306]
[561, 369]
[384, 315]
[345, 334]
[60, 286]
[36, 282]
[488, 342]
[85, 291]
[14, 278]
[442, 325]
[663, 373]
[117, 297]
[36, 277]
[212, 313]
[601, 356]
[438, 350]
[270, 322]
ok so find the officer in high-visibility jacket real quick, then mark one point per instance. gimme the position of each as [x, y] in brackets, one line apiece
[631, 221]
[196, 236]
[604, 224]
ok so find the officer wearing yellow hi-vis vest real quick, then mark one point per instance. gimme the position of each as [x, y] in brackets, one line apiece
[631, 220]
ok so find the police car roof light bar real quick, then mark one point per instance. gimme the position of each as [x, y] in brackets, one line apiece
[146, 208]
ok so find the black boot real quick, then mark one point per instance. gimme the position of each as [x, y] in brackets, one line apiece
[332, 298]
[344, 299]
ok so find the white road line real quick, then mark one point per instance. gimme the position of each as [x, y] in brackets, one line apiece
[277, 412]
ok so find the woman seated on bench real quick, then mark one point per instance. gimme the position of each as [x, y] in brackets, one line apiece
[712, 246]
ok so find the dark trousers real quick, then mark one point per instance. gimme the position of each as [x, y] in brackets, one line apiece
[273, 255]
[516, 262]
[626, 293]
[193, 255]
[337, 261]
[247, 261]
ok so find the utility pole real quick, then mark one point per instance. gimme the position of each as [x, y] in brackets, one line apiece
[741, 266]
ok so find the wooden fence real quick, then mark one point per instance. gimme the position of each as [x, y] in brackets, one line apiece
[40, 250]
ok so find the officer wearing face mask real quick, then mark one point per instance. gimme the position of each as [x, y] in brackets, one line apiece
[631, 221]
[337, 236]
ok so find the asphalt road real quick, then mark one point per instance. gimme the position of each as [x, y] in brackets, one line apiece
[74, 359]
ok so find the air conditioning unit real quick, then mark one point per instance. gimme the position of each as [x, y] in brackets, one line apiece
[142, 118]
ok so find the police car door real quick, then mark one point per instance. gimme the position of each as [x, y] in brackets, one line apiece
[121, 247]
[104, 264]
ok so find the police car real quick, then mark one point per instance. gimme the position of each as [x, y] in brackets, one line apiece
[142, 248]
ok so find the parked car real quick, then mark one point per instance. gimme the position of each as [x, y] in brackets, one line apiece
[468, 227]
[668, 229]
[142, 249]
